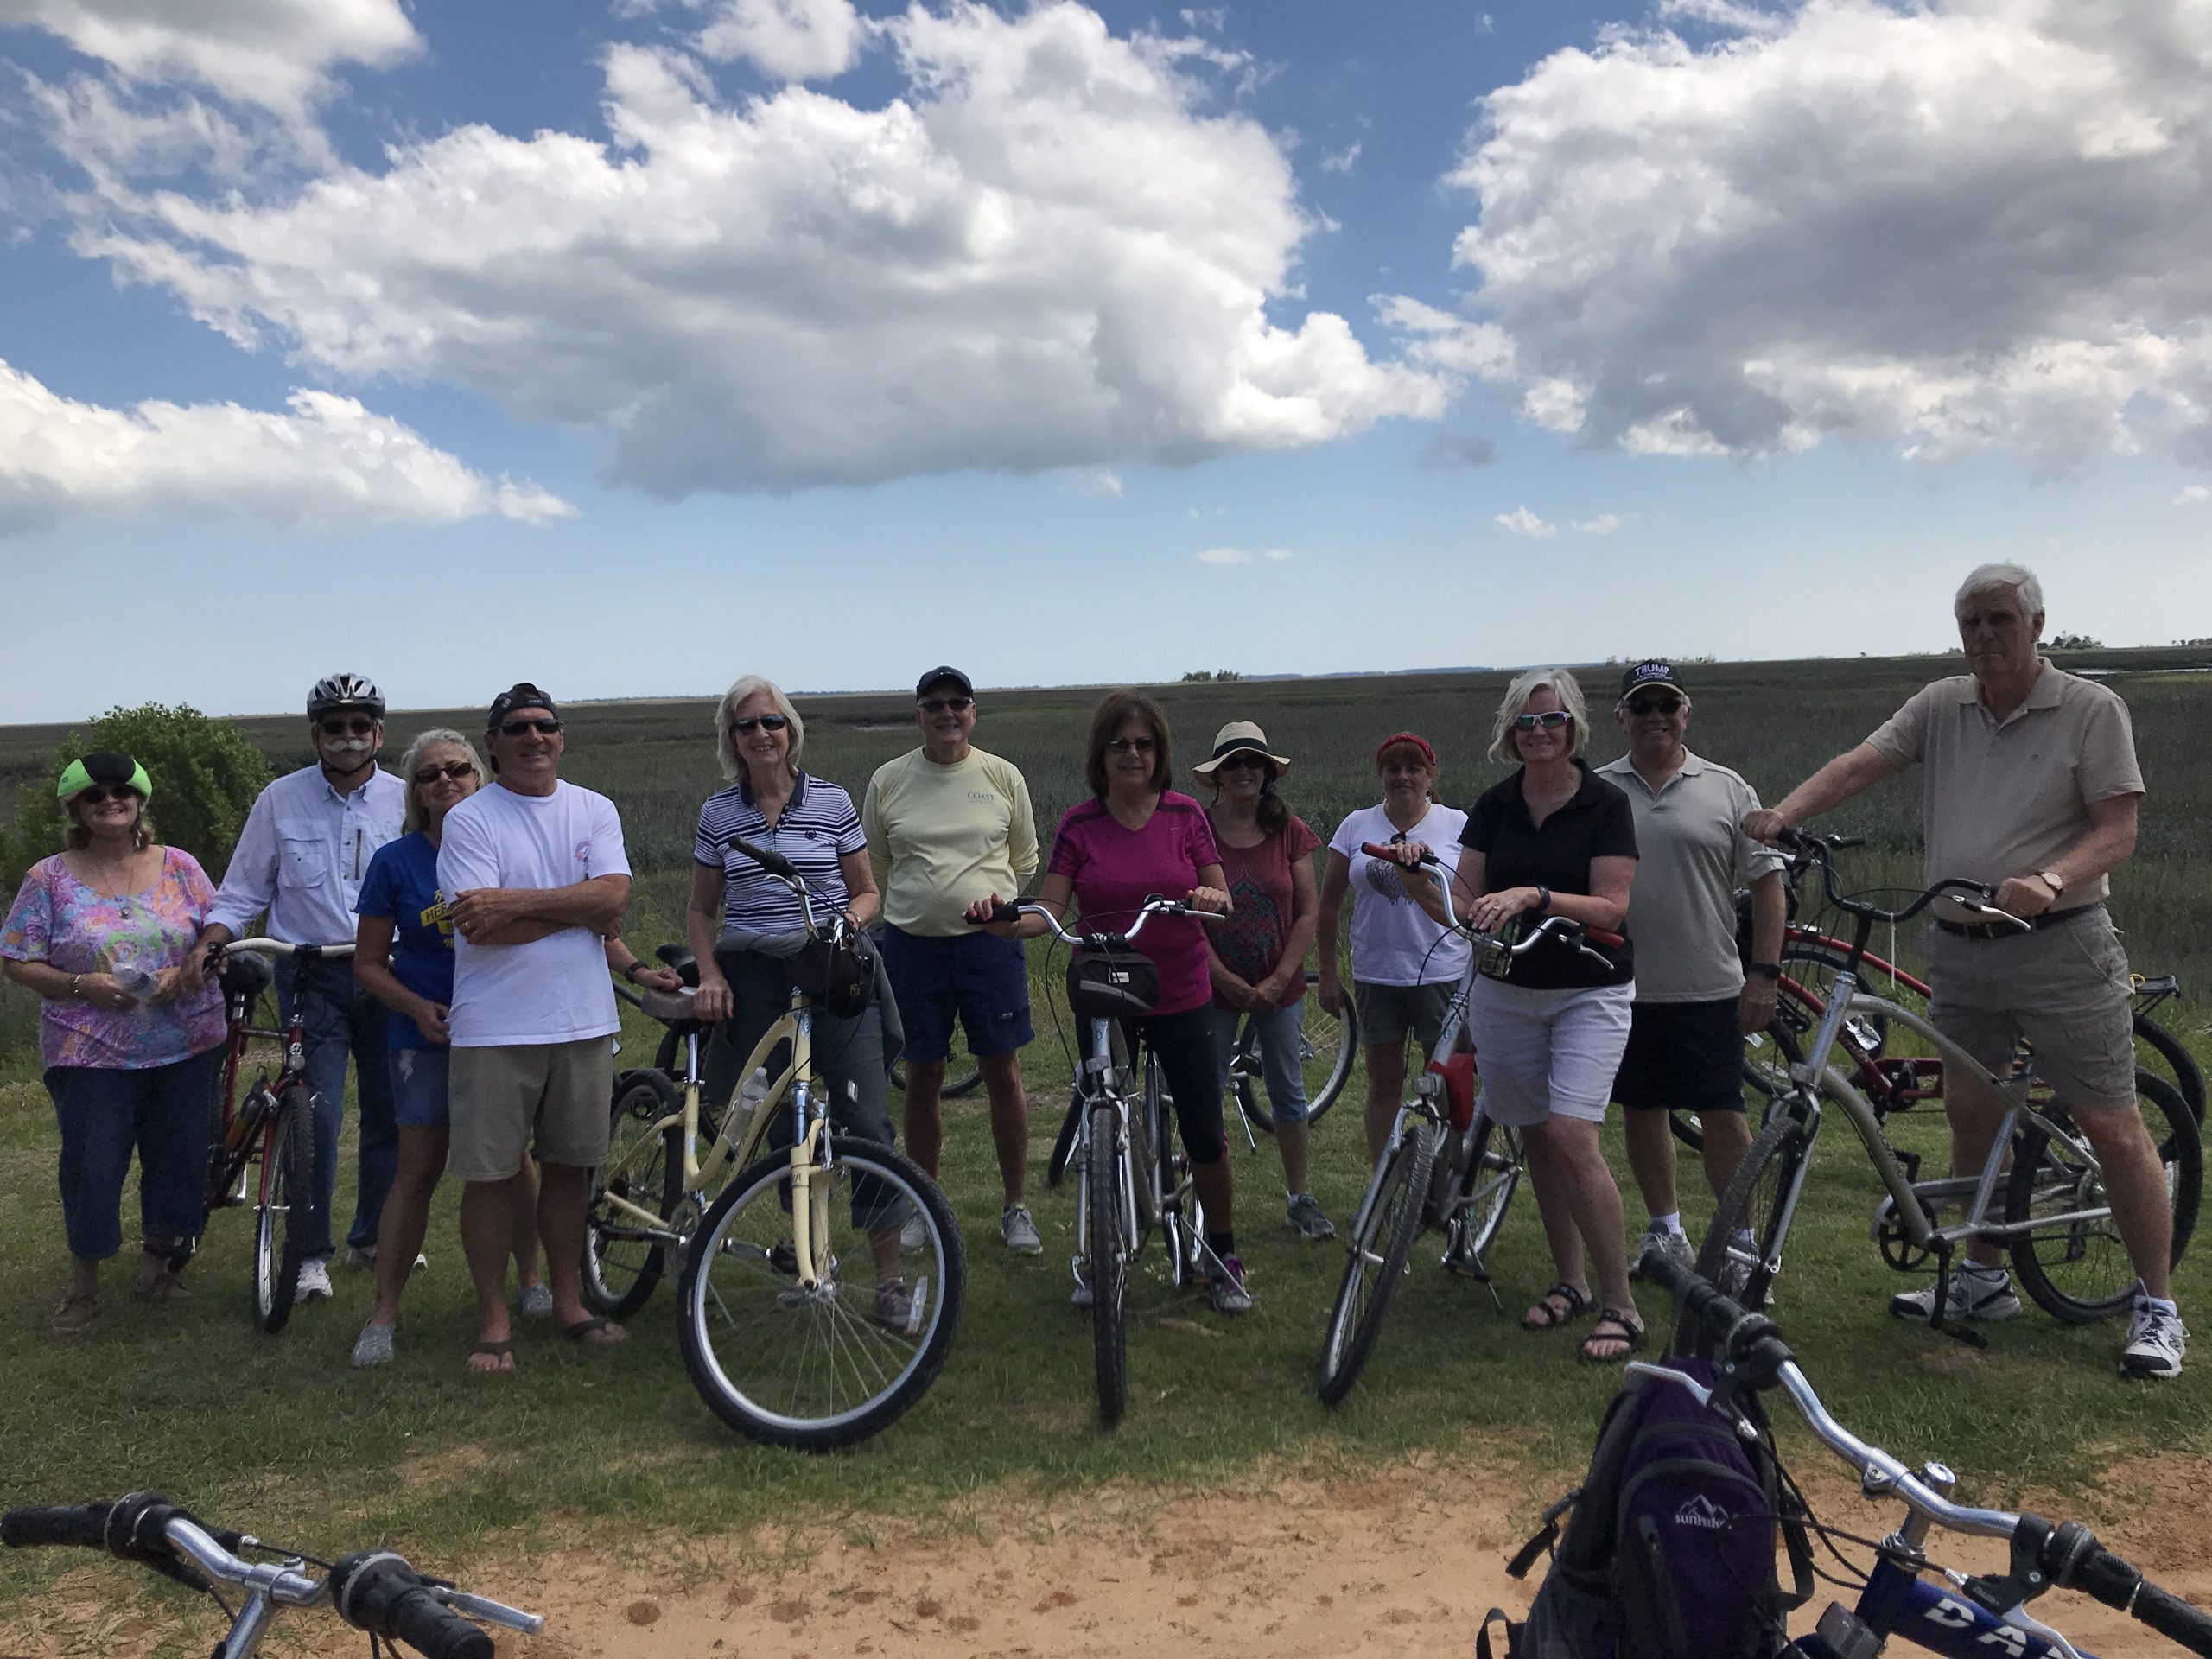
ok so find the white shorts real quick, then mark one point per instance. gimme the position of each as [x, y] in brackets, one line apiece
[1542, 1054]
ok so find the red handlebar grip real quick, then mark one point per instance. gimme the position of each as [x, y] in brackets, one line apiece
[1384, 850]
[1599, 936]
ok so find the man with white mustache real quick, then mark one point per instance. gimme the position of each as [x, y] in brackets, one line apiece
[301, 858]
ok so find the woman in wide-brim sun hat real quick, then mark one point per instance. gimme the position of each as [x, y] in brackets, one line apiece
[98, 932]
[1257, 956]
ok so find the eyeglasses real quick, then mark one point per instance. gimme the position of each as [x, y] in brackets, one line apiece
[1132, 745]
[1642, 706]
[745, 723]
[453, 769]
[1551, 720]
[545, 724]
[1242, 760]
[357, 725]
[98, 793]
[938, 705]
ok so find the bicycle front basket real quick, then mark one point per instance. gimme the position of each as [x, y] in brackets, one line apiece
[1112, 984]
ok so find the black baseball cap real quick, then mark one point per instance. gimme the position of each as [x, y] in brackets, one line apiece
[1646, 675]
[922, 686]
[521, 695]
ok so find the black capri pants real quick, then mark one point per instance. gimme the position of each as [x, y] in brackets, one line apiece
[1192, 1067]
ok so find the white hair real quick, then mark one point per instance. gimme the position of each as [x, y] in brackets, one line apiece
[1525, 685]
[1988, 578]
[725, 745]
[414, 817]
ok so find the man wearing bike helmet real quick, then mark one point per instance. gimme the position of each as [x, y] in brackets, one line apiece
[2033, 788]
[306, 845]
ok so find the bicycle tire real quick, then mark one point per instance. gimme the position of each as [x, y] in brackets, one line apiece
[280, 1224]
[1687, 1127]
[1109, 1266]
[1373, 1263]
[957, 1088]
[1753, 1205]
[1488, 1183]
[2188, 1077]
[740, 1261]
[2080, 1273]
[1330, 1042]
[620, 1273]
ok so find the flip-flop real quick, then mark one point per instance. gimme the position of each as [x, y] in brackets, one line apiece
[1577, 1304]
[503, 1349]
[1622, 1330]
[584, 1332]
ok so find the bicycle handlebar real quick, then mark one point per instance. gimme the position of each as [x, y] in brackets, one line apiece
[1564, 929]
[280, 948]
[1003, 911]
[1816, 850]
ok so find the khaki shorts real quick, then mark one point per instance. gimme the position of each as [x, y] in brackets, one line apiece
[1390, 1013]
[2065, 988]
[555, 1095]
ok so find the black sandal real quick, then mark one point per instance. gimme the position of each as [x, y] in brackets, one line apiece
[1577, 1304]
[1622, 1330]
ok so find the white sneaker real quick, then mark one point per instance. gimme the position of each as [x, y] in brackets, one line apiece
[2156, 1344]
[1974, 1296]
[913, 1234]
[1658, 1241]
[1019, 1228]
[314, 1282]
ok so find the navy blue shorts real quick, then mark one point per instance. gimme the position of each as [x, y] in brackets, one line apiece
[1685, 1056]
[982, 979]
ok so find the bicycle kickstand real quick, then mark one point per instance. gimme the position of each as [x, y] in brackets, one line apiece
[1936, 1321]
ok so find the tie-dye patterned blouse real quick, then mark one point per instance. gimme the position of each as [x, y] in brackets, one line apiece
[57, 920]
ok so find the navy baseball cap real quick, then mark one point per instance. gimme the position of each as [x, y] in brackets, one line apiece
[522, 695]
[1645, 674]
[937, 675]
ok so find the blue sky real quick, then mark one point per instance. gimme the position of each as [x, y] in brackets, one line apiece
[631, 346]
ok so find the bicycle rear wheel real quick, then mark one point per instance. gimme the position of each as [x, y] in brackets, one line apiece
[1108, 1244]
[1328, 1043]
[2078, 1270]
[2188, 1077]
[1380, 1245]
[821, 1366]
[280, 1216]
[1486, 1188]
[645, 1167]
[1743, 1251]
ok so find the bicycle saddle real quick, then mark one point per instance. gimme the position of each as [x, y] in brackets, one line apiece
[679, 958]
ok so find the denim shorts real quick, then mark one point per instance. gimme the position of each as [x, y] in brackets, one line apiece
[418, 1087]
[982, 980]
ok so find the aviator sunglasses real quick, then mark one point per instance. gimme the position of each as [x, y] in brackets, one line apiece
[745, 723]
[455, 770]
[545, 724]
[1550, 720]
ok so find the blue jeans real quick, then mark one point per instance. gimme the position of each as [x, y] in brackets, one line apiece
[1282, 1061]
[342, 1018]
[162, 1110]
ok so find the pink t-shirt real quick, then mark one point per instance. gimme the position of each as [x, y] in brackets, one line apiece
[1115, 870]
[1249, 943]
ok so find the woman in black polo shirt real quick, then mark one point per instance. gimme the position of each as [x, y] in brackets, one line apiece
[1555, 840]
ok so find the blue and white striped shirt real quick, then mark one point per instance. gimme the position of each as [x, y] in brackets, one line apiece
[818, 825]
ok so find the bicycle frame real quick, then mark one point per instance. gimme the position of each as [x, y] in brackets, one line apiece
[1140, 1171]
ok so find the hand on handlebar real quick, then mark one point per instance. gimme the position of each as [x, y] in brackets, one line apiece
[986, 914]
[1406, 855]
[1764, 824]
[1494, 910]
[1213, 900]
[2022, 896]
[714, 1001]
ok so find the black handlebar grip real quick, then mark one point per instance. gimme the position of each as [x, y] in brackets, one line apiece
[1001, 911]
[78, 1526]
[376, 1591]
[1843, 843]
[769, 859]
[2174, 1618]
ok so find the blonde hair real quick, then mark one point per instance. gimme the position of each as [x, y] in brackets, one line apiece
[1503, 746]
[751, 685]
[417, 816]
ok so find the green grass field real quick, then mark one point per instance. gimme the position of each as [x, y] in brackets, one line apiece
[280, 1435]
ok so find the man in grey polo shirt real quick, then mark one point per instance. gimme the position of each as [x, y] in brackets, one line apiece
[2031, 786]
[1693, 1000]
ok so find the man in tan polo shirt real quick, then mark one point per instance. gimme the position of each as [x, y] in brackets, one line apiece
[2032, 787]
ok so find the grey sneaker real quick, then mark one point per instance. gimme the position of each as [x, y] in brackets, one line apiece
[2156, 1344]
[1673, 1246]
[372, 1347]
[535, 1302]
[1226, 1289]
[896, 1308]
[360, 1255]
[314, 1282]
[1303, 1216]
[1974, 1296]
[1019, 1228]
[913, 1234]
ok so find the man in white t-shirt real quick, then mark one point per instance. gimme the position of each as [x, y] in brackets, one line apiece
[538, 878]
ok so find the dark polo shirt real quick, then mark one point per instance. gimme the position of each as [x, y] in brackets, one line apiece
[1596, 822]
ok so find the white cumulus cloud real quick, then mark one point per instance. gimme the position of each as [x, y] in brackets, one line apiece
[326, 464]
[1243, 555]
[279, 54]
[1944, 225]
[1521, 522]
[2191, 494]
[1603, 523]
[1045, 253]
[790, 40]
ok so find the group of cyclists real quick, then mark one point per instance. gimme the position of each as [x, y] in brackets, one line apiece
[482, 898]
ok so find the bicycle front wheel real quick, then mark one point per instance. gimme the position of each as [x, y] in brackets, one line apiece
[1380, 1245]
[1108, 1248]
[822, 1365]
[1486, 1189]
[1743, 1251]
[2074, 1263]
[644, 1166]
[1328, 1043]
[280, 1216]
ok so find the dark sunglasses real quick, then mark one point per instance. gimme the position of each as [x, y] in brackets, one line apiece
[773, 722]
[453, 769]
[1132, 745]
[545, 724]
[1242, 760]
[98, 793]
[938, 705]
[1551, 720]
[357, 726]
[1642, 706]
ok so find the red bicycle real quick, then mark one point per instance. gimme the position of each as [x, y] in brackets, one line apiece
[261, 1149]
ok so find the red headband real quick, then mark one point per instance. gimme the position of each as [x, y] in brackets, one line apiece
[1418, 741]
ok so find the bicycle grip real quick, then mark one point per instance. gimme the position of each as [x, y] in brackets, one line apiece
[1599, 936]
[79, 1526]
[774, 862]
[2173, 1618]
[376, 1591]
[1844, 843]
[1001, 911]
[1389, 853]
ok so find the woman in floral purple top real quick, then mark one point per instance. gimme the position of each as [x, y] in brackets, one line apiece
[98, 932]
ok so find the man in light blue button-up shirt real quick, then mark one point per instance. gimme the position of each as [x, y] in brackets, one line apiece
[301, 858]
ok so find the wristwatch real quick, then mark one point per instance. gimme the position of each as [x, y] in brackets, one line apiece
[1543, 900]
[630, 973]
[2052, 880]
[1765, 969]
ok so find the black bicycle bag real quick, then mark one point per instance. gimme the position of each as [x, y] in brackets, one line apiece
[1112, 984]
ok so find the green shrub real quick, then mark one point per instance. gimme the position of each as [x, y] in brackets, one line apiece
[205, 775]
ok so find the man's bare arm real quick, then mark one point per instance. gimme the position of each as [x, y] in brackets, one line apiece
[519, 915]
[1849, 773]
[2110, 843]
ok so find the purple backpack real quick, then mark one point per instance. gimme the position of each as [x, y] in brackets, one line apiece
[1669, 1553]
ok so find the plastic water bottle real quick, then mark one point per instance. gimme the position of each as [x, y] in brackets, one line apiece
[131, 979]
[748, 1105]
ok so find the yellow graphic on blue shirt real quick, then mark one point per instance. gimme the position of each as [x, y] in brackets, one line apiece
[437, 914]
